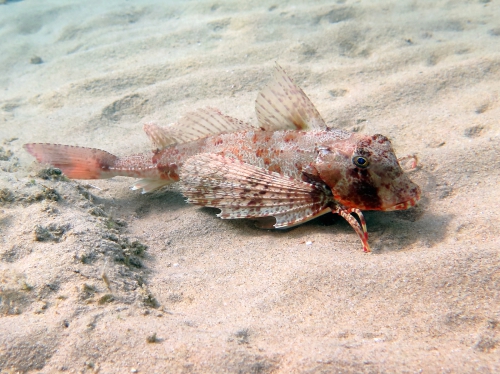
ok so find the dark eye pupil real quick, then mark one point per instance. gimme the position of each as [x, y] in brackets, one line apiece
[360, 161]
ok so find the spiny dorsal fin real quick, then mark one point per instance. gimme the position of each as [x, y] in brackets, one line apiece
[281, 105]
[241, 190]
[193, 126]
[159, 136]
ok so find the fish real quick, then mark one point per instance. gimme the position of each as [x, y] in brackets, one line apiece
[286, 170]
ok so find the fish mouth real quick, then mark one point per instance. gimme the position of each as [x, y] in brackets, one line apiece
[405, 205]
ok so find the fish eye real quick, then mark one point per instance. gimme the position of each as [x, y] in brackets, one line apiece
[360, 161]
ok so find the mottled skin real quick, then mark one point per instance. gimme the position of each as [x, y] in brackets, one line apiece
[319, 156]
[381, 184]
[323, 158]
[291, 168]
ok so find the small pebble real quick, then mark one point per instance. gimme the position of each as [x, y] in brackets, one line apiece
[36, 60]
[309, 243]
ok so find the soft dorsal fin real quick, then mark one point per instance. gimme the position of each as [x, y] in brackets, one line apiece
[193, 126]
[282, 105]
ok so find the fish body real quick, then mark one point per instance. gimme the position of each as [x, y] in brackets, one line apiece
[292, 167]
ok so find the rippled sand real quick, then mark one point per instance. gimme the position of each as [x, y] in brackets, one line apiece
[80, 292]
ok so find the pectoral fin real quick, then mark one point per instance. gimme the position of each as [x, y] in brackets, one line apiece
[241, 190]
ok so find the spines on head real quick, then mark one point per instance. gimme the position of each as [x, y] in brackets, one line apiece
[363, 172]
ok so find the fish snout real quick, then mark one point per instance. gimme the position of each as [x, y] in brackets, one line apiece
[405, 197]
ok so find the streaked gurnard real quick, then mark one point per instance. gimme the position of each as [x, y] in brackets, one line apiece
[287, 170]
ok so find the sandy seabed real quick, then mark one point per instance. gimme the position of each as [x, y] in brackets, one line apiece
[97, 278]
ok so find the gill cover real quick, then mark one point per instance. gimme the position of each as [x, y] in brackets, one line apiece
[363, 172]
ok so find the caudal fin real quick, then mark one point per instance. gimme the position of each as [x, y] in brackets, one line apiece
[75, 162]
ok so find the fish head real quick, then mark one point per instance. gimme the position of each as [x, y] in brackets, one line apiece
[363, 172]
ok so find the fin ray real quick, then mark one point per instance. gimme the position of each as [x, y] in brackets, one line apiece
[159, 136]
[74, 162]
[193, 126]
[149, 185]
[241, 190]
[282, 105]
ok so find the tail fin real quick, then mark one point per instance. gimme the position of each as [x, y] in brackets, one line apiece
[75, 162]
